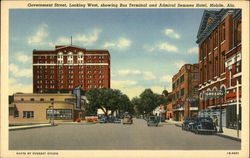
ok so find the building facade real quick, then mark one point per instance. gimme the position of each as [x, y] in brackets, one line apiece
[219, 39]
[67, 67]
[44, 108]
[185, 92]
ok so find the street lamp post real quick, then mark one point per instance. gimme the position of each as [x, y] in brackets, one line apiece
[52, 109]
[221, 130]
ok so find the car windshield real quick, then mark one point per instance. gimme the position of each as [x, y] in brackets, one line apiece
[152, 118]
[205, 119]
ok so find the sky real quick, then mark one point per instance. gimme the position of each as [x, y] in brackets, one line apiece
[147, 46]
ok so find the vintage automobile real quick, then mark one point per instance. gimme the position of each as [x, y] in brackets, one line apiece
[188, 123]
[103, 119]
[127, 119]
[152, 121]
[204, 125]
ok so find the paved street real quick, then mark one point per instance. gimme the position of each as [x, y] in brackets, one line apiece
[116, 137]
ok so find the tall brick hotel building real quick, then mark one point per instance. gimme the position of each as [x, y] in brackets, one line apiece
[67, 67]
[219, 39]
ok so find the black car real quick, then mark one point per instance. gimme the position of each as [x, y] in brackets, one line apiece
[204, 125]
[188, 123]
[152, 121]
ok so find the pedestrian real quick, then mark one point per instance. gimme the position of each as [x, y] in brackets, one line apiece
[215, 121]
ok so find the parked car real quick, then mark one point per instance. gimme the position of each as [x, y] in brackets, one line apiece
[103, 119]
[152, 121]
[117, 120]
[127, 119]
[204, 125]
[111, 119]
[188, 123]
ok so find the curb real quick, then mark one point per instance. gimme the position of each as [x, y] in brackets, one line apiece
[29, 127]
[230, 137]
[220, 135]
[78, 123]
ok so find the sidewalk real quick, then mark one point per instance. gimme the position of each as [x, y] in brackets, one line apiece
[11, 128]
[227, 132]
[28, 126]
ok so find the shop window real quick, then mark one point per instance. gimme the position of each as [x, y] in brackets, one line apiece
[59, 114]
[28, 114]
[16, 113]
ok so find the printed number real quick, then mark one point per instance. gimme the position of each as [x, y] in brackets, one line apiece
[232, 153]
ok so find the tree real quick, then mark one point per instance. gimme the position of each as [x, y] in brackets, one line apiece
[107, 100]
[148, 101]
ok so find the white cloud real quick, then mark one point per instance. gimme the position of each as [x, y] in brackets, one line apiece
[121, 43]
[63, 40]
[39, 37]
[22, 57]
[129, 72]
[17, 87]
[167, 47]
[12, 80]
[109, 44]
[166, 78]
[88, 39]
[179, 64]
[84, 39]
[17, 72]
[161, 46]
[122, 84]
[193, 50]
[147, 75]
[171, 33]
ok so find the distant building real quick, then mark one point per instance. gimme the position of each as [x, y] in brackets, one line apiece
[44, 107]
[219, 39]
[67, 67]
[168, 113]
[185, 92]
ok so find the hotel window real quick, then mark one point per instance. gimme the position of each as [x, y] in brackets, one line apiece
[28, 114]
